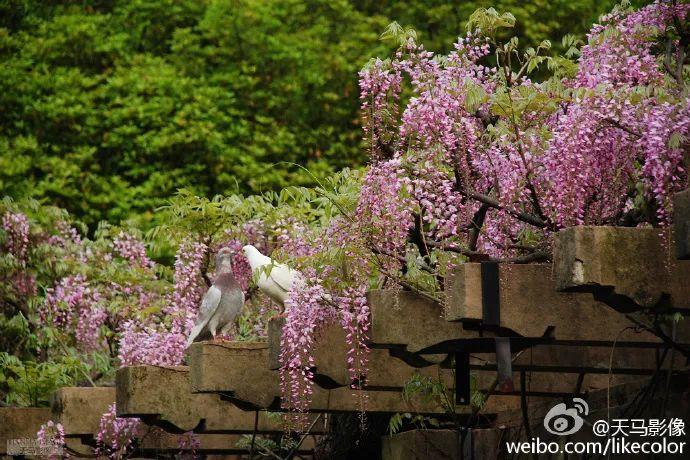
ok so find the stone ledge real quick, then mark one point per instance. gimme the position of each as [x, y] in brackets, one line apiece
[250, 381]
[162, 396]
[20, 423]
[79, 409]
[403, 318]
[330, 361]
[681, 224]
[626, 267]
[530, 305]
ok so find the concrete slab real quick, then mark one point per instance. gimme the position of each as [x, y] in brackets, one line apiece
[79, 409]
[530, 305]
[681, 224]
[628, 266]
[162, 396]
[21, 423]
[405, 318]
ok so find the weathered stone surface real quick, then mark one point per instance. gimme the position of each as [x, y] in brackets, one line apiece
[330, 359]
[422, 444]
[602, 359]
[20, 423]
[530, 305]
[79, 409]
[249, 380]
[405, 318]
[443, 444]
[275, 332]
[681, 224]
[548, 362]
[240, 368]
[627, 266]
[463, 291]
[162, 396]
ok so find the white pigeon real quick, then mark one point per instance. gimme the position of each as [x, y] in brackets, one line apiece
[222, 302]
[272, 278]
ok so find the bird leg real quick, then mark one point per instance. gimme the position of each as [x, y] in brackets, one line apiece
[228, 331]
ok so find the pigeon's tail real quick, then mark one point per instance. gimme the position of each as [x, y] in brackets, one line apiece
[194, 334]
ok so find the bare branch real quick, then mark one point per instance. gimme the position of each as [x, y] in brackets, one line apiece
[610, 122]
[520, 215]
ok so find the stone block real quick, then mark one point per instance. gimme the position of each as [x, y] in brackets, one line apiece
[250, 381]
[530, 305]
[627, 267]
[681, 224]
[239, 368]
[162, 396]
[79, 409]
[480, 444]
[330, 360]
[21, 423]
[407, 319]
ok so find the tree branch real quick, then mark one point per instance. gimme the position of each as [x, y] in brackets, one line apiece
[519, 215]
[476, 226]
[616, 124]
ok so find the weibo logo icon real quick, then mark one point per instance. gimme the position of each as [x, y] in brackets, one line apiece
[563, 420]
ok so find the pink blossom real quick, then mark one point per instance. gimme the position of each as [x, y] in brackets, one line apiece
[116, 435]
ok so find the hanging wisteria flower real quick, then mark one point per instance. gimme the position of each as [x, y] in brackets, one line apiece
[73, 304]
[132, 249]
[16, 226]
[163, 343]
[51, 438]
[306, 310]
[116, 435]
[189, 444]
[495, 161]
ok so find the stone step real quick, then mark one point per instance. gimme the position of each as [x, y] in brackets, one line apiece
[79, 409]
[410, 324]
[161, 396]
[20, 423]
[681, 224]
[330, 361]
[546, 364]
[250, 381]
[442, 444]
[629, 268]
[530, 305]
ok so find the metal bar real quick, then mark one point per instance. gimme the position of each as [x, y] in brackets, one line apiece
[491, 307]
[462, 378]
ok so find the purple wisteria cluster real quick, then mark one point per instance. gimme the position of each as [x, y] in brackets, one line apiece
[495, 162]
[131, 249]
[52, 434]
[16, 227]
[72, 304]
[305, 314]
[116, 435]
[162, 342]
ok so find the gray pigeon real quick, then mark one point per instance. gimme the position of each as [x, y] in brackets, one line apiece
[221, 303]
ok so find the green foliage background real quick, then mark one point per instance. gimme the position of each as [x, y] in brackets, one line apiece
[108, 107]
